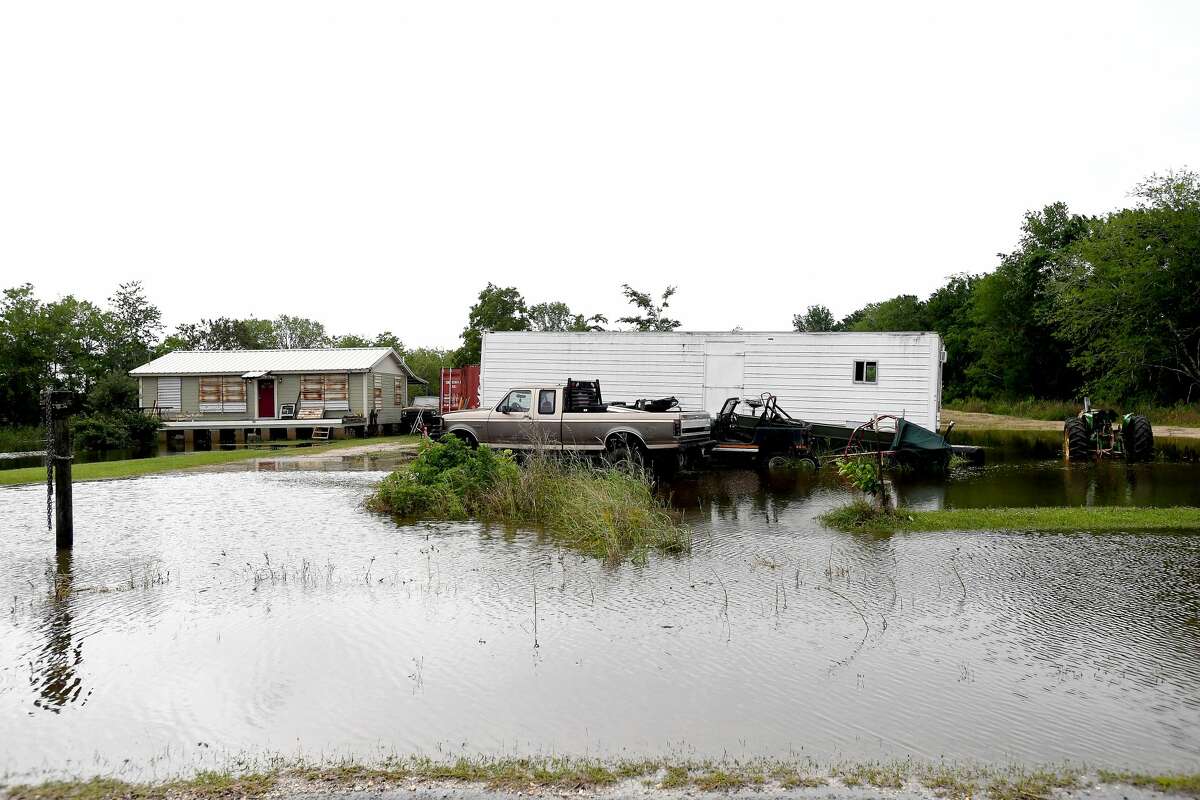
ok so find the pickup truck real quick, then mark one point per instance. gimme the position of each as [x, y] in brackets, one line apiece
[572, 417]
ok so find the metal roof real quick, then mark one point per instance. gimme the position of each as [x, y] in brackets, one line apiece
[241, 362]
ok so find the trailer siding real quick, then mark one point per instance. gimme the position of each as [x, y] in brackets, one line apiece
[812, 373]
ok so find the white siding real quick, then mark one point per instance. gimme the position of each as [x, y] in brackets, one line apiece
[812, 373]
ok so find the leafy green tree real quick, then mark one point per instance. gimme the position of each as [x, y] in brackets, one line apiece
[1128, 304]
[222, 333]
[131, 327]
[948, 311]
[427, 362]
[817, 319]
[653, 315]
[1019, 353]
[498, 309]
[294, 333]
[902, 313]
[557, 316]
[58, 344]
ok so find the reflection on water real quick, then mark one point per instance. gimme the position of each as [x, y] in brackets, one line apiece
[269, 611]
[53, 671]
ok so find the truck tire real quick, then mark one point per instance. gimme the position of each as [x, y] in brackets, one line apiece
[1139, 439]
[623, 452]
[467, 439]
[1077, 446]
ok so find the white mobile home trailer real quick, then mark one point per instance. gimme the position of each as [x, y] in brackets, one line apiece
[834, 378]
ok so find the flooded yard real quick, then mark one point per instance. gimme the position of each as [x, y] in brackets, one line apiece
[260, 609]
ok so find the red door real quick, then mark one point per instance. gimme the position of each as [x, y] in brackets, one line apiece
[266, 399]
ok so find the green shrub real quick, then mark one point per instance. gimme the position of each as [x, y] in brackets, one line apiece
[605, 512]
[114, 430]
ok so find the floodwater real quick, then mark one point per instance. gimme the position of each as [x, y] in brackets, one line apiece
[263, 610]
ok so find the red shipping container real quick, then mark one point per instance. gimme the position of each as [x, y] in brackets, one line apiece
[460, 388]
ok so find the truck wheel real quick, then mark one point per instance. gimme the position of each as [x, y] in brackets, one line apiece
[1139, 439]
[1076, 444]
[467, 439]
[624, 454]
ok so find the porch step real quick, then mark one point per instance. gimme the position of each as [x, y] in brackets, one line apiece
[320, 433]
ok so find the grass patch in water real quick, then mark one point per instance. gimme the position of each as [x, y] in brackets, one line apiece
[567, 774]
[864, 517]
[1178, 783]
[133, 467]
[604, 512]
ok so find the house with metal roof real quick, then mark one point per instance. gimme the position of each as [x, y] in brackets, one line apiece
[238, 395]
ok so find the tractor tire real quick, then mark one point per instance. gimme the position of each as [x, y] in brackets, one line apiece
[1139, 439]
[1077, 445]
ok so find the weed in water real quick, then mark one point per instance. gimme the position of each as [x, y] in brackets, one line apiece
[604, 512]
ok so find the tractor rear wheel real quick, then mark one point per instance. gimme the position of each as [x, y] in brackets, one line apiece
[1139, 439]
[1076, 444]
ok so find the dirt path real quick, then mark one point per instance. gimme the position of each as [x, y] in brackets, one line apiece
[379, 449]
[973, 421]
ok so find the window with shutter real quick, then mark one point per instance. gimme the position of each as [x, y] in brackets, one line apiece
[337, 392]
[222, 393]
[170, 393]
[325, 392]
[377, 393]
[398, 391]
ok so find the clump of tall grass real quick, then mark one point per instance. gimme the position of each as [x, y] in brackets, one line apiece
[605, 512]
[21, 439]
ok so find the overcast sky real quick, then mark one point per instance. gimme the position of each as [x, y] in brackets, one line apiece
[373, 165]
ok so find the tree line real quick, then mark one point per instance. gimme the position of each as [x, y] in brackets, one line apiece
[1106, 305]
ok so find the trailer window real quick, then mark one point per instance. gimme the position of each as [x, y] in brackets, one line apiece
[546, 401]
[866, 371]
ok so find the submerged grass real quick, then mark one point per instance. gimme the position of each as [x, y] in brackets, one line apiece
[132, 467]
[578, 775]
[604, 512]
[862, 516]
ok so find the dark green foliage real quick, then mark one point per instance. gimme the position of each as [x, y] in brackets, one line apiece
[817, 319]
[498, 309]
[114, 430]
[115, 391]
[1106, 306]
[902, 313]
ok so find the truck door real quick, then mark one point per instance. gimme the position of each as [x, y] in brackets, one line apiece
[511, 423]
[548, 416]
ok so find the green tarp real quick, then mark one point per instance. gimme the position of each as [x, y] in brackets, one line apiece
[912, 437]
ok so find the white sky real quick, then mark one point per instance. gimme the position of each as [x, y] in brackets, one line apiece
[373, 165]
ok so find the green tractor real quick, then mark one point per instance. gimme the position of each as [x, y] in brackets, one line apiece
[1100, 433]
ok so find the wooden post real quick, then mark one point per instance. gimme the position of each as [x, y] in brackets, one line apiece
[60, 454]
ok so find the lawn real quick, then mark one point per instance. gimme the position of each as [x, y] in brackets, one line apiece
[1182, 415]
[859, 517]
[100, 470]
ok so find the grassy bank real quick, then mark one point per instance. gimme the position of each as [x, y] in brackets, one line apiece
[132, 467]
[1187, 416]
[574, 775]
[604, 512]
[20, 438]
[863, 517]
